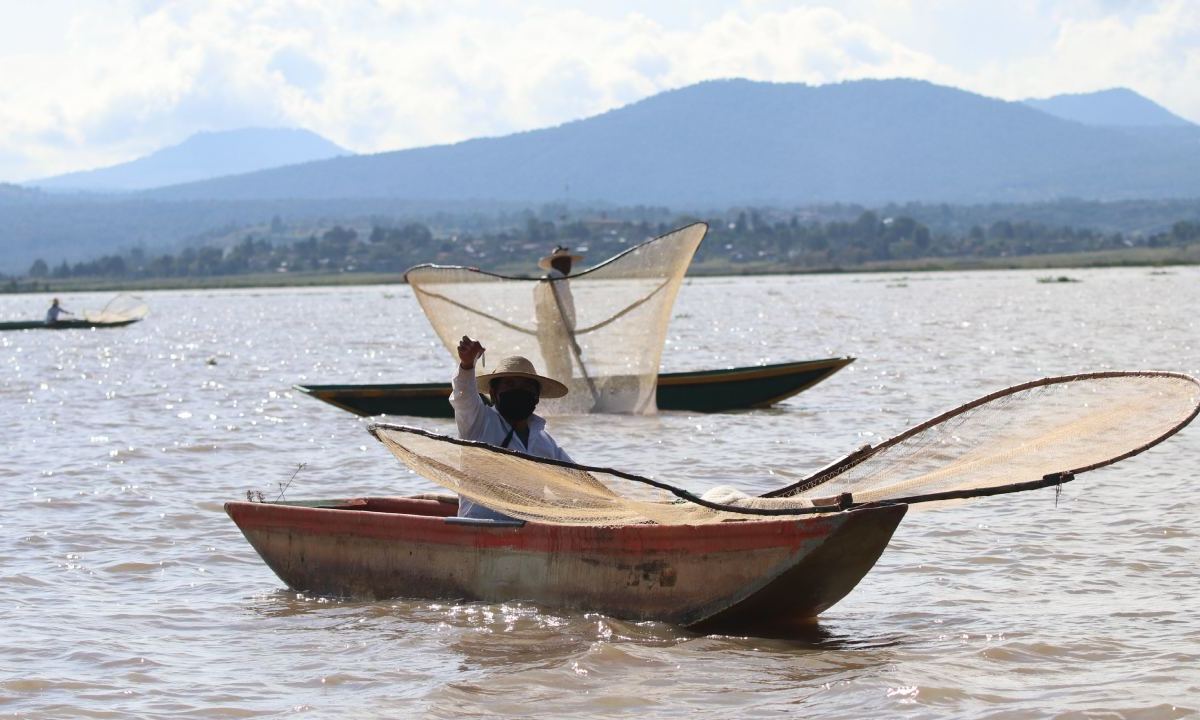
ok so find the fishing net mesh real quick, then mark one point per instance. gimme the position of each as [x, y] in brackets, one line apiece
[122, 308]
[1018, 435]
[600, 332]
[545, 491]
[1015, 436]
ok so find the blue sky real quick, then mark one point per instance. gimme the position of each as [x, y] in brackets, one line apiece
[88, 84]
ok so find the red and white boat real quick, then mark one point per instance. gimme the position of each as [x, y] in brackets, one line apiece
[754, 573]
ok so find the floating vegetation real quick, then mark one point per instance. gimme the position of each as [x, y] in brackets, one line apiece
[284, 486]
[1059, 279]
[257, 495]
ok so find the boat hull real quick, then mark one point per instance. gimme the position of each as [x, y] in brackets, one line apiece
[724, 575]
[703, 391]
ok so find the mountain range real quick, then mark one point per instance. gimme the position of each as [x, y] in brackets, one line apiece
[200, 157]
[699, 149]
[1118, 107]
[721, 143]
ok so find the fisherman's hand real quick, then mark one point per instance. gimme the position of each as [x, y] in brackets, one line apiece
[468, 352]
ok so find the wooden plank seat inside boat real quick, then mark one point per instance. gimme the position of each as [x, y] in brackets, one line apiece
[732, 574]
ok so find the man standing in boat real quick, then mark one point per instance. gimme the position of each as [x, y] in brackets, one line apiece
[54, 311]
[515, 389]
[555, 312]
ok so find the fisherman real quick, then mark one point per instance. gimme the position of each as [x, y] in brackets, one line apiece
[54, 311]
[515, 388]
[555, 311]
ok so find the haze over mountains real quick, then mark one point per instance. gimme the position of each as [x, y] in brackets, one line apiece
[702, 148]
[718, 143]
[200, 157]
[737, 142]
[1119, 107]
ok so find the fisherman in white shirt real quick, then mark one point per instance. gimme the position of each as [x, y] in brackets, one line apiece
[554, 308]
[515, 389]
[54, 311]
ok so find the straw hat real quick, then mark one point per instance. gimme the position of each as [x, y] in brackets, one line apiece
[517, 366]
[558, 252]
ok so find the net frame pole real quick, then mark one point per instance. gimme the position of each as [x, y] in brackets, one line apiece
[839, 503]
[682, 494]
[858, 456]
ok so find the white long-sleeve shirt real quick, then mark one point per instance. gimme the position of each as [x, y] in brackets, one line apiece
[476, 421]
[53, 313]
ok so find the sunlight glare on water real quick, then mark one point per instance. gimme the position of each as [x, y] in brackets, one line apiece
[126, 591]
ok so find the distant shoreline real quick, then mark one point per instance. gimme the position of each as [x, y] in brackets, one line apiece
[1133, 257]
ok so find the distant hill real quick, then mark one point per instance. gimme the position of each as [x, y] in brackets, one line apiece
[1115, 107]
[728, 142]
[57, 226]
[701, 149]
[202, 156]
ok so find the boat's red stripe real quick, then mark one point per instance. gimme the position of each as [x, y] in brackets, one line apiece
[535, 537]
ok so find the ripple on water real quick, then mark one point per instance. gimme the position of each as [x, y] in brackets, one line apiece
[127, 592]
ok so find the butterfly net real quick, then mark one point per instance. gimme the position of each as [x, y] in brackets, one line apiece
[600, 332]
[550, 491]
[1053, 426]
[122, 308]
[1028, 436]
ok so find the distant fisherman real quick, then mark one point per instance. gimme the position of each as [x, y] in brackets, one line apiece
[554, 306]
[515, 388]
[54, 311]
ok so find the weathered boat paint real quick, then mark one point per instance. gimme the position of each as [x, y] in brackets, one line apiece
[727, 574]
[699, 391]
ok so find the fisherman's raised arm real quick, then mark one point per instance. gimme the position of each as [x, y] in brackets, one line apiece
[464, 394]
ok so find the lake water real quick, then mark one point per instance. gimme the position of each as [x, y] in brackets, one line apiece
[125, 591]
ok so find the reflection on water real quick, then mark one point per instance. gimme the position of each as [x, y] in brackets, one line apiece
[125, 590]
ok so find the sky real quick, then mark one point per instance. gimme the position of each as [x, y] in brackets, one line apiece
[90, 83]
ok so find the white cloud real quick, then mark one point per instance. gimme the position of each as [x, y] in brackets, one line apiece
[130, 76]
[1154, 50]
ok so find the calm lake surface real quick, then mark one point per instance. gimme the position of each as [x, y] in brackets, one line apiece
[125, 591]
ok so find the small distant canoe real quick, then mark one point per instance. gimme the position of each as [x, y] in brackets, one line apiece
[122, 310]
[63, 324]
[699, 391]
[751, 574]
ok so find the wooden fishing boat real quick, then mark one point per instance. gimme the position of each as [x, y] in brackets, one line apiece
[759, 573]
[62, 324]
[698, 391]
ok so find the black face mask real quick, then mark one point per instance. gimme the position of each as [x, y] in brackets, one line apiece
[516, 405]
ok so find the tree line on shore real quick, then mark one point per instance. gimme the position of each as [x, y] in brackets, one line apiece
[752, 237]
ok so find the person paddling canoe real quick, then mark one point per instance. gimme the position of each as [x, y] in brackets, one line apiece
[515, 388]
[55, 310]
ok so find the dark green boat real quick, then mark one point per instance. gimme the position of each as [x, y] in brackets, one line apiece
[120, 311]
[699, 391]
[62, 324]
